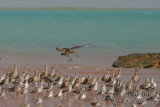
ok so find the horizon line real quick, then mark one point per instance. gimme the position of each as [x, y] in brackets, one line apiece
[72, 8]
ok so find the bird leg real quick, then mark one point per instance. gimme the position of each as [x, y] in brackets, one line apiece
[70, 58]
[68, 61]
[76, 55]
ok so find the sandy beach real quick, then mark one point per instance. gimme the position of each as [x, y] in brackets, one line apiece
[69, 100]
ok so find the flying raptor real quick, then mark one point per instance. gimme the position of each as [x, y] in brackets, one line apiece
[68, 51]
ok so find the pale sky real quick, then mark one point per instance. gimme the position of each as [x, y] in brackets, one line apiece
[81, 3]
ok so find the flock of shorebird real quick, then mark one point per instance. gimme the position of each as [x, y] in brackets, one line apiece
[108, 85]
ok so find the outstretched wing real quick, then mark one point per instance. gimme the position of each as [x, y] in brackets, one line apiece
[79, 46]
[61, 49]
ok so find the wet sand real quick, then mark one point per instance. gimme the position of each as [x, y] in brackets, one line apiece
[69, 100]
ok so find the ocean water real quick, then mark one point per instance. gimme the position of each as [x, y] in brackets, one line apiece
[33, 35]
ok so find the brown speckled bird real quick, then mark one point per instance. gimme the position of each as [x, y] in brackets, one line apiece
[136, 77]
[68, 51]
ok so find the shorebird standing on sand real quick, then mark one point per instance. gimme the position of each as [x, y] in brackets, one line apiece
[82, 96]
[38, 101]
[15, 72]
[103, 90]
[59, 94]
[136, 77]
[129, 84]
[5, 81]
[154, 97]
[106, 76]
[118, 75]
[49, 94]
[68, 51]
[96, 103]
[87, 80]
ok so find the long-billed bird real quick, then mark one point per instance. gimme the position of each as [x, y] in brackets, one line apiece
[68, 51]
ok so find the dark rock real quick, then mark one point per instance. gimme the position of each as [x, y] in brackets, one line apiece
[138, 60]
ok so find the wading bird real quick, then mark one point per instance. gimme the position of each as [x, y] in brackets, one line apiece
[68, 51]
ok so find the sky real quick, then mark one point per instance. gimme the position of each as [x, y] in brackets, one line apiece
[81, 3]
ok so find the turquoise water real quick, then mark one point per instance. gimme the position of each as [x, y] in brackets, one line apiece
[111, 33]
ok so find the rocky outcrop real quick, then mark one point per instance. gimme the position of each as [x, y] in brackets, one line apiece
[138, 60]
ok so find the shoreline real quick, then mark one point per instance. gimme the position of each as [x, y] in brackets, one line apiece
[74, 68]
[82, 64]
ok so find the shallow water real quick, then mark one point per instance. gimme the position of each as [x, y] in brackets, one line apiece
[34, 34]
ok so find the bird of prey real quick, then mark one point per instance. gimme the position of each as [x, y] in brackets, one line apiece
[68, 51]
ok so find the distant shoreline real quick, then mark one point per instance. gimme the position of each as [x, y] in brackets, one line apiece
[76, 8]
